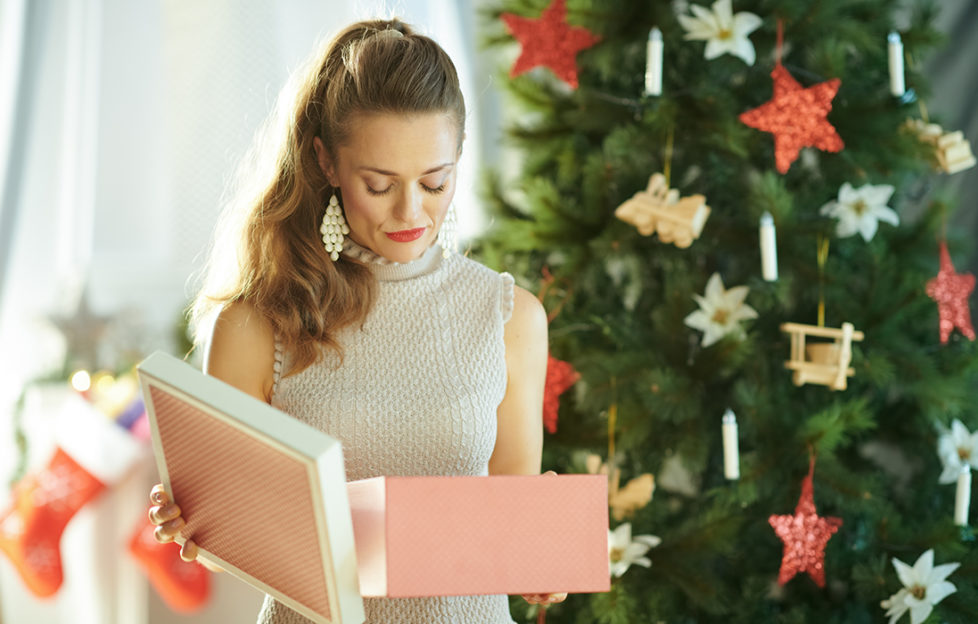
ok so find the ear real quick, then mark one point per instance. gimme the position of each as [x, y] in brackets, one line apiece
[325, 162]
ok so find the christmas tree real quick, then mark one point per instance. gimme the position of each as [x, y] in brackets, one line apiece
[848, 363]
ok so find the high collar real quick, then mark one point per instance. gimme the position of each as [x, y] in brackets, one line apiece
[389, 271]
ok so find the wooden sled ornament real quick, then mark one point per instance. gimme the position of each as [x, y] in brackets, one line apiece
[660, 209]
[823, 363]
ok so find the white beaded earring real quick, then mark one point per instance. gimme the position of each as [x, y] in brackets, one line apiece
[333, 228]
[448, 234]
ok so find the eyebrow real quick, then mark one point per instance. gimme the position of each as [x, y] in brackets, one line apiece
[393, 174]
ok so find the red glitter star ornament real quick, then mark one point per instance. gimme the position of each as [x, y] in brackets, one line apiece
[549, 41]
[560, 376]
[805, 535]
[796, 116]
[951, 290]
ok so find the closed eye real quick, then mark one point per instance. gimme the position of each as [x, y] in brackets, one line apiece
[433, 190]
[373, 191]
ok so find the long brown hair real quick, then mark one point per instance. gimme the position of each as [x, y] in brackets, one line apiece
[267, 250]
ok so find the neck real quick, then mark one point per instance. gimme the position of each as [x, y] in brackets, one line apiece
[389, 270]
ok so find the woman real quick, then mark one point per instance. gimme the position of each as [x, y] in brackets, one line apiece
[345, 311]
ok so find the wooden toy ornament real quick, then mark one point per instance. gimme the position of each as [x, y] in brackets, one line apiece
[951, 150]
[678, 220]
[823, 363]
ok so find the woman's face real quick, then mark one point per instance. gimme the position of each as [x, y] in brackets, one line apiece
[397, 176]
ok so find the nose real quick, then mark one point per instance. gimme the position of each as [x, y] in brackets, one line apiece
[410, 205]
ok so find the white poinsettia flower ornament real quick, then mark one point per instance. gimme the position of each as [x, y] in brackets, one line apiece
[859, 210]
[720, 311]
[625, 550]
[724, 32]
[923, 587]
[957, 448]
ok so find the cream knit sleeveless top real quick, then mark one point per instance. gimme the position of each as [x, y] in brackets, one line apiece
[416, 395]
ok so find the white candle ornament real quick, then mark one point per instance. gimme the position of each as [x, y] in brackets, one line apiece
[895, 49]
[653, 63]
[769, 248]
[731, 449]
[962, 499]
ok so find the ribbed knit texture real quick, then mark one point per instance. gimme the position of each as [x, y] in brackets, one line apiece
[416, 395]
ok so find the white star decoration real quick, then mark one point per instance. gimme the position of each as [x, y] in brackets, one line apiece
[859, 211]
[720, 311]
[923, 587]
[724, 32]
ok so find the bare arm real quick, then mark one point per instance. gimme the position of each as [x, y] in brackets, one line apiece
[241, 351]
[519, 435]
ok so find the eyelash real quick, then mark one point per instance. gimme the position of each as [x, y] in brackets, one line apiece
[433, 191]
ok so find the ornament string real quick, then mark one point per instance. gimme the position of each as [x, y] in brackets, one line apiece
[822, 257]
[779, 44]
[667, 166]
[546, 284]
[613, 473]
[943, 222]
[921, 106]
[612, 425]
[612, 422]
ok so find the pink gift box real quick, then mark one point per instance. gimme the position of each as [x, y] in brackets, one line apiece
[440, 536]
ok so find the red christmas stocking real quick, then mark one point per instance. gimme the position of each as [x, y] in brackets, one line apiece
[44, 502]
[185, 587]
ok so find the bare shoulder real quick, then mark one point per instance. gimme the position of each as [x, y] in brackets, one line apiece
[529, 317]
[242, 350]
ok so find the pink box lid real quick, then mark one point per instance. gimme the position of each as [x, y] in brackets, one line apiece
[263, 494]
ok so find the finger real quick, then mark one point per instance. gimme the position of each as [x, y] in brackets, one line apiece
[550, 472]
[545, 599]
[158, 495]
[169, 531]
[162, 536]
[188, 552]
[159, 515]
[174, 526]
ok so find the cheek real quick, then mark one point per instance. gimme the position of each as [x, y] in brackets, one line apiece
[363, 208]
[438, 206]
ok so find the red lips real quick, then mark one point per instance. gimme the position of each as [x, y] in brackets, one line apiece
[406, 236]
